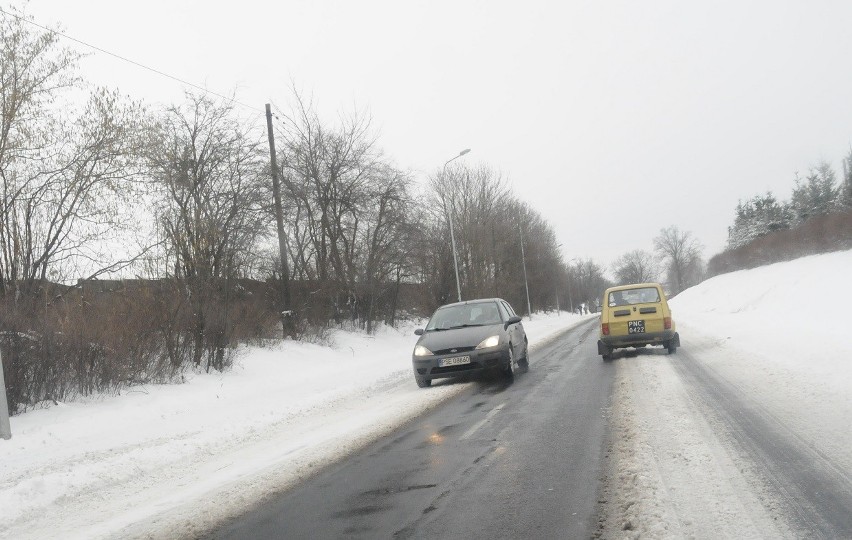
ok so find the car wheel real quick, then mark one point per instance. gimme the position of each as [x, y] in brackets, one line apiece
[423, 382]
[671, 347]
[524, 362]
[509, 372]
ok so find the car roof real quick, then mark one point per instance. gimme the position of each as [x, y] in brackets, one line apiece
[633, 286]
[476, 301]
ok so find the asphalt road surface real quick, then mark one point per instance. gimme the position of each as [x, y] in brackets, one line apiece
[506, 459]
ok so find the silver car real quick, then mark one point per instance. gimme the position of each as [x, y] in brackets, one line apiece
[468, 338]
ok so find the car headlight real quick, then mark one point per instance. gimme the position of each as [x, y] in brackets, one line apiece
[492, 341]
[420, 350]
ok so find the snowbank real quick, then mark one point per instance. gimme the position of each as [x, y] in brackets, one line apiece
[166, 456]
[782, 333]
[793, 316]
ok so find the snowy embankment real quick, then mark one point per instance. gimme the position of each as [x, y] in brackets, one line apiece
[168, 460]
[778, 336]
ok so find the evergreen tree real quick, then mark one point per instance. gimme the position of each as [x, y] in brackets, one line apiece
[757, 217]
[817, 195]
[844, 196]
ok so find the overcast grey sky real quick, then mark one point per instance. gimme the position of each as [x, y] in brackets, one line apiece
[613, 119]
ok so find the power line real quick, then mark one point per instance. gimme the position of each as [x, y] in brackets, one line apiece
[128, 60]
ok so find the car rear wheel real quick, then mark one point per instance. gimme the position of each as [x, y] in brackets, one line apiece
[670, 345]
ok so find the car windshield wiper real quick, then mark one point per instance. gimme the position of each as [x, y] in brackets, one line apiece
[464, 326]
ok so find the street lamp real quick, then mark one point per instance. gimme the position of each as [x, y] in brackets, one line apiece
[558, 313]
[452, 234]
[570, 271]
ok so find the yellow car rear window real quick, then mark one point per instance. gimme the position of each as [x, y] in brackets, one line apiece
[628, 297]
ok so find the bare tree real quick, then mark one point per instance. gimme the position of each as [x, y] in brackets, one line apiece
[488, 221]
[63, 180]
[68, 176]
[682, 255]
[338, 191]
[637, 266]
[587, 282]
[348, 211]
[210, 206]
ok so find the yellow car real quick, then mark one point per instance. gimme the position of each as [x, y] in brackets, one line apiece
[635, 316]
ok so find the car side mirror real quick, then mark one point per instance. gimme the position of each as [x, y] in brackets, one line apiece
[418, 332]
[513, 320]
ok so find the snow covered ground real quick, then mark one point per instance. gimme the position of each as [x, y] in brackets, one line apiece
[168, 460]
[173, 459]
[777, 335]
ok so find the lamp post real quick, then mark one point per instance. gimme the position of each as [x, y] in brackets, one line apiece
[558, 246]
[570, 271]
[452, 234]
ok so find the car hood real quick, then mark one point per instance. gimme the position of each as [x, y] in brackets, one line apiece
[458, 337]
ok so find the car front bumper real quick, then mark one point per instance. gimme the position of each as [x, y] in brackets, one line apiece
[428, 367]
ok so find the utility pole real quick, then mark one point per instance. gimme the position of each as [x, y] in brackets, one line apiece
[524, 262]
[5, 427]
[570, 300]
[286, 312]
[450, 214]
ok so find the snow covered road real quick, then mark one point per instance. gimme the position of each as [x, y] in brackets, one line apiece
[172, 460]
[504, 459]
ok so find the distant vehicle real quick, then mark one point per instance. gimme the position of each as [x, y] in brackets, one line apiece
[636, 315]
[470, 337]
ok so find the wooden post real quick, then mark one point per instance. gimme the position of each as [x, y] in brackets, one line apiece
[284, 308]
[5, 428]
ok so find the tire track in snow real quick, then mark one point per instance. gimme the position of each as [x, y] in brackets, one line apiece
[815, 492]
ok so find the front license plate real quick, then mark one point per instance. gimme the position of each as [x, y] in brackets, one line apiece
[455, 361]
[635, 327]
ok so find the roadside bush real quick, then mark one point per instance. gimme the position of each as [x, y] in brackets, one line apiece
[102, 336]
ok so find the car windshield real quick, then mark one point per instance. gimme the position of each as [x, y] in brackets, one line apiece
[644, 295]
[464, 315]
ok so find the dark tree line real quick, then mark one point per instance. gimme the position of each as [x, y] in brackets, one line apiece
[817, 194]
